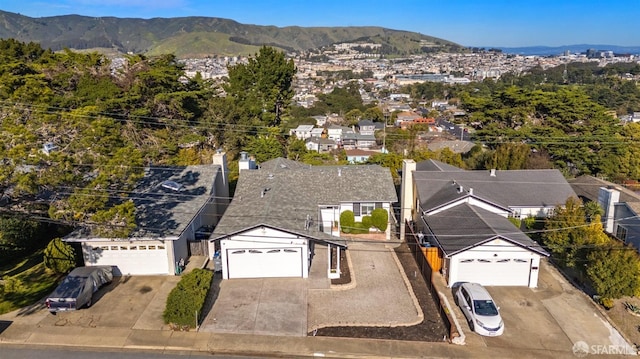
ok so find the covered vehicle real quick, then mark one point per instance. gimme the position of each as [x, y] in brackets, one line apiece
[77, 289]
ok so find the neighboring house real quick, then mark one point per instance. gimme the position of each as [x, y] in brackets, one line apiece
[366, 127]
[302, 131]
[281, 211]
[417, 121]
[320, 120]
[406, 116]
[621, 207]
[466, 215]
[352, 141]
[359, 156]
[319, 144]
[335, 132]
[173, 204]
[317, 132]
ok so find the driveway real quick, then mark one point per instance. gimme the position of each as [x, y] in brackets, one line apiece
[377, 296]
[128, 302]
[554, 316]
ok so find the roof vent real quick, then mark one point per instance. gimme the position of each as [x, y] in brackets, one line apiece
[339, 172]
[492, 173]
[270, 176]
[173, 185]
[264, 191]
[460, 189]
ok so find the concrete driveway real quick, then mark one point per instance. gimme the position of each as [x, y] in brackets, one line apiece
[128, 302]
[554, 317]
[268, 306]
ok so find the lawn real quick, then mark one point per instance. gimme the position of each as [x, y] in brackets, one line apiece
[25, 282]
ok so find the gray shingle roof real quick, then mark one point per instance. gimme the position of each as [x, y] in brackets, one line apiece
[433, 165]
[466, 226]
[588, 187]
[283, 196]
[514, 188]
[165, 213]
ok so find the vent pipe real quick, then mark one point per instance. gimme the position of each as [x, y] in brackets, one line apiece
[492, 173]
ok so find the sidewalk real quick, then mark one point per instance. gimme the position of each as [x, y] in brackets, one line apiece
[236, 344]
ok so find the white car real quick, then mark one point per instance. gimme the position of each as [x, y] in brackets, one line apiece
[481, 311]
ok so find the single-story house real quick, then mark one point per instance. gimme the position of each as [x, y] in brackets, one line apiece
[173, 206]
[282, 210]
[621, 206]
[359, 156]
[466, 215]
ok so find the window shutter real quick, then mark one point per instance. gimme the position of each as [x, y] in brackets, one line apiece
[356, 209]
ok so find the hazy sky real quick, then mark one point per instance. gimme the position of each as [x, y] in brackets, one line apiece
[486, 23]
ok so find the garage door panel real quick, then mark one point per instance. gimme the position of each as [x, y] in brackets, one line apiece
[264, 262]
[130, 259]
[498, 272]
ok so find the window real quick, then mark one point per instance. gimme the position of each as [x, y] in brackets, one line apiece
[114, 248]
[621, 233]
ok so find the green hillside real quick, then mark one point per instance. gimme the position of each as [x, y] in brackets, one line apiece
[191, 36]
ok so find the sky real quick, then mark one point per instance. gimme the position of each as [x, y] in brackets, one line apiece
[488, 23]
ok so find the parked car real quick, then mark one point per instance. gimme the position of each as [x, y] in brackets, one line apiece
[77, 288]
[480, 310]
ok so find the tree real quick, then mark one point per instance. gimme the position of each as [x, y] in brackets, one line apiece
[564, 234]
[614, 270]
[262, 86]
[19, 233]
[59, 256]
[265, 147]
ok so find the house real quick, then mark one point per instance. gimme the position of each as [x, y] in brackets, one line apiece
[359, 156]
[320, 120]
[406, 116]
[317, 132]
[621, 207]
[173, 204]
[302, 131]
[417, 121]
[366, 127]
[319, 144]
[466, 215]
[355, 140]
[335, 132]
[281, 211]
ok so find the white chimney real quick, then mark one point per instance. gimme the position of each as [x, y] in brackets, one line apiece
[407, 200]
[492, 173]
[607, 199]
[471, 191]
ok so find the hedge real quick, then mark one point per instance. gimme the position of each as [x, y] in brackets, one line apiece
[380, 219]
[367, 222]
[347, 221]
[187, 298]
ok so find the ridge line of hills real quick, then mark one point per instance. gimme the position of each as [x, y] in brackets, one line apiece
[202, 36]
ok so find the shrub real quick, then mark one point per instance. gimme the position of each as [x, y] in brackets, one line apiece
[380, 219]
[529, 222]
[347, 221]
[607, 303]
[516, 221]
[359, 228]
[59, 256]
[187, 298]
[366, 222]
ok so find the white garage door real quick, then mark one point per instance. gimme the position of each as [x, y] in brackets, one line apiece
[507, 272]
[131, 259]
[264, 262]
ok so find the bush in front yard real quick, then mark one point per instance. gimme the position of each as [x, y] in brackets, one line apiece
[59, 256]
[347, 221]
[366, 222]
[359, 228]
[187, 298]
[380, 219]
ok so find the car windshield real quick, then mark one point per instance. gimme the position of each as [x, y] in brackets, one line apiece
[485, 307]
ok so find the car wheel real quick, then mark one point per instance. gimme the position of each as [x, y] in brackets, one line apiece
[455, 300]
[471, 325]
[89, 302]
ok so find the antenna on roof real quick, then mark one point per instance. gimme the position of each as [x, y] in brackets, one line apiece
[307, 223]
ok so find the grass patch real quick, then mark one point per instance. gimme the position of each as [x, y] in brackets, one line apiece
[25, 282]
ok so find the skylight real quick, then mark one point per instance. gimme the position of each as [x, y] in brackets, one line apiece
[173, 185]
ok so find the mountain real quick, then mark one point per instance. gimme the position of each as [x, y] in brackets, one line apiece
[559, 50]
[200, 36]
